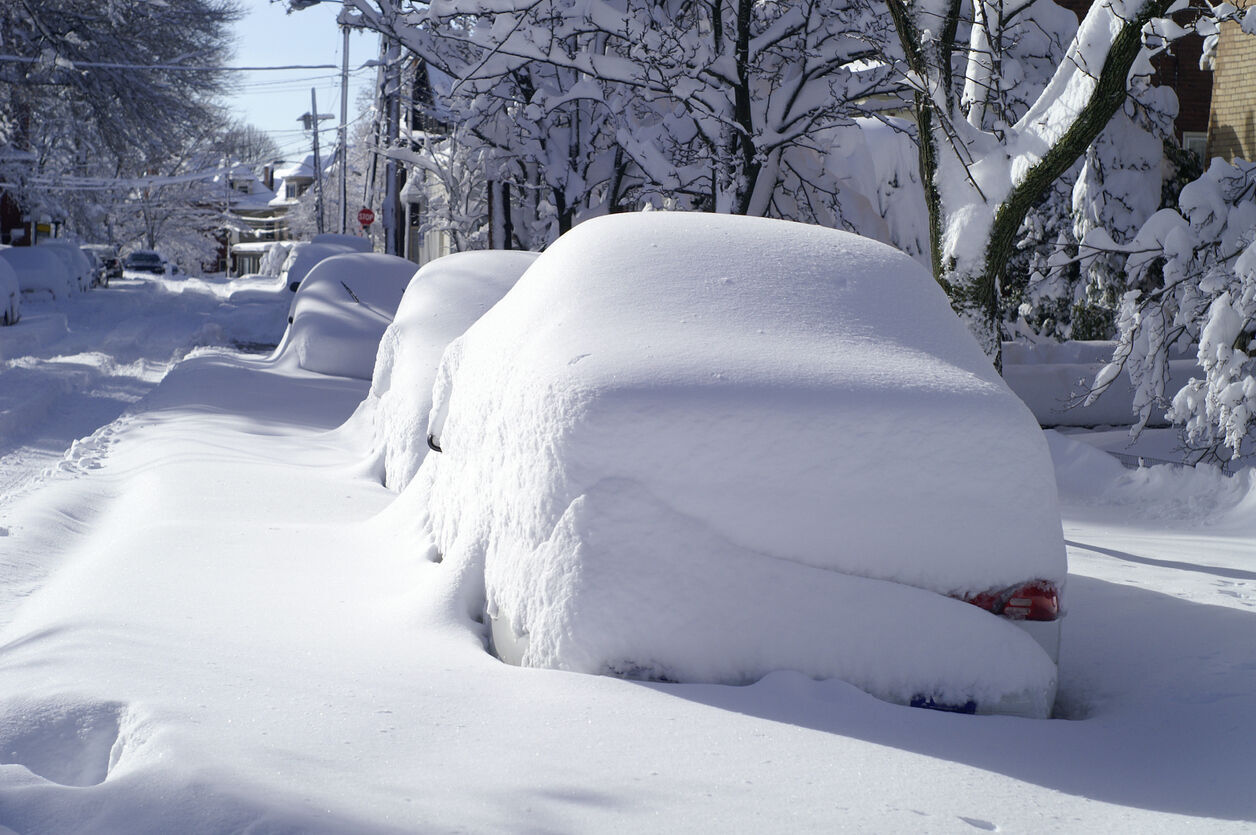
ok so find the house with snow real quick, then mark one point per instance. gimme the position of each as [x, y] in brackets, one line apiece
[250, 217]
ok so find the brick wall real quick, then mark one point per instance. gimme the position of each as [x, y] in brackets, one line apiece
[1178, 70]
[1232, 121]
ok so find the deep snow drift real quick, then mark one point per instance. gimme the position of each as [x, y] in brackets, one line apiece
[235, 628]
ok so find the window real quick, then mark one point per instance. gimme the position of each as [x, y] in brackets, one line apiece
[1196, 141]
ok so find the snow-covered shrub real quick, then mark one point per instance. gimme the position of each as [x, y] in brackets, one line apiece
[1192, 280]
[273, 259]
[1071, 243]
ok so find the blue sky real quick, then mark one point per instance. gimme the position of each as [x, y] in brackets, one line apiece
[273, 101]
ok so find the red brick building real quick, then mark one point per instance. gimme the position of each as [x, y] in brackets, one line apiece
[1179, 70]
[1232, 122]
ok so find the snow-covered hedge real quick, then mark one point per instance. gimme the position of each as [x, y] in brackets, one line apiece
[442, 301]
[1192, 274]
[1054, 378]
[273, 259]
[704, 447]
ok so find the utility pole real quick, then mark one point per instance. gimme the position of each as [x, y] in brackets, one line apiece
[392, 111]
[344, 134]
[318, 166]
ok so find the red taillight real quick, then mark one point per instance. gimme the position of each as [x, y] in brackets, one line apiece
[1036, 600]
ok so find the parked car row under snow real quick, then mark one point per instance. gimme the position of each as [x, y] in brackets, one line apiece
[701, 448]
[53, 269]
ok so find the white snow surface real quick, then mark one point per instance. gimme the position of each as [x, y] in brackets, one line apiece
[340, 312]
[214, 621]
[445, 297]
[672, 444]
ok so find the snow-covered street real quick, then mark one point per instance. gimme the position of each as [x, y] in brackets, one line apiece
[214, 618]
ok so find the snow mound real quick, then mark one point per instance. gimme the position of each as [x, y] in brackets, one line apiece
[444, 299]
[40, 271]
[341, 310]
[1198, 495]
[672, 417]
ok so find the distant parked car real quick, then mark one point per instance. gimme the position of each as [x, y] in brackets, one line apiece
[340, 312]
[701, 448]
[10, 295]
[40, 272]
[145, 261]
[302, 258]
[75, 260]
[110, 263]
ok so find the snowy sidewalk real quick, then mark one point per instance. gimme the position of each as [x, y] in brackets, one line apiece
[241, 629]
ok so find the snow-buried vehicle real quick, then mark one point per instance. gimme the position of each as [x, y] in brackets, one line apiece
[700, 448]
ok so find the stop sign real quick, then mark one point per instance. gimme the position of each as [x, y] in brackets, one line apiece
[366, 217]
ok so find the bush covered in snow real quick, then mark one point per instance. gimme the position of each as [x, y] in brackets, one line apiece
[442, 301]
[274, 258]
[1192, 281]
[684, 447]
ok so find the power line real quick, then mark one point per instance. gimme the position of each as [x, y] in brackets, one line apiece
[63, 63]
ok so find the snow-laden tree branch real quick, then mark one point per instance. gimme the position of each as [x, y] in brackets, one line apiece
[985, 171]
[713, 104]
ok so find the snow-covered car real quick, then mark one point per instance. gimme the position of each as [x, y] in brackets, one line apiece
[40, 272]
[702, 448]
[75, 261]
[145, 261]
[352, 243]
[341, 310]
[444, 298]
[10, 295]
[110, 263]
[304, 256]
